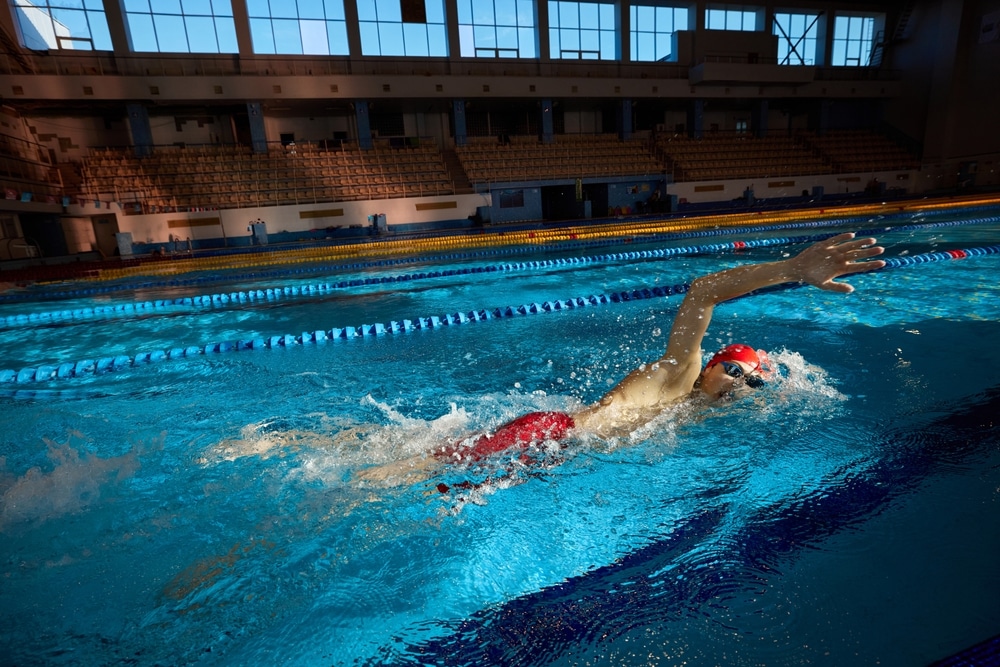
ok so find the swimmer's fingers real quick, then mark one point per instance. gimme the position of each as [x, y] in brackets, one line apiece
[854, 267]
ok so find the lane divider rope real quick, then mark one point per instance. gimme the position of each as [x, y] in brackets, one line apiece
[101, 365]
[561, 245]
[239, 298]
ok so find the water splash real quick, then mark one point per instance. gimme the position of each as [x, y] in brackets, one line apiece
[76, 481]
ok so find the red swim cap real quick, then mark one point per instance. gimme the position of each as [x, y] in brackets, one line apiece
[737, 352]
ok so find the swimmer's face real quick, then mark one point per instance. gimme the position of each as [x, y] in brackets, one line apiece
[719, 382]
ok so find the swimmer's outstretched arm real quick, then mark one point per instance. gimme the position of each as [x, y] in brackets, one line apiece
[676, 373]
[819, 265]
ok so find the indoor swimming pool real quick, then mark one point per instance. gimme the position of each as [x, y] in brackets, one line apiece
[182, 462]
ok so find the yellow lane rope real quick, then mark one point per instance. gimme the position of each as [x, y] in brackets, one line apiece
[387, 248]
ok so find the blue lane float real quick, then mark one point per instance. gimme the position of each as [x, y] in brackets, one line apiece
[65, 370]
[225, 300]
[91, 291]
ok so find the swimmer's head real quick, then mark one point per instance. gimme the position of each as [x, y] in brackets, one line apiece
[732, 367]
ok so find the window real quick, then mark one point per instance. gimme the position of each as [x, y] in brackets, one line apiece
[78, 25]
[582, 31]
[852, 40]
[298, 27]
[731, 17]
[796, 38]
[497, 28]
[653, 29]
[181, 26]
[402, 28]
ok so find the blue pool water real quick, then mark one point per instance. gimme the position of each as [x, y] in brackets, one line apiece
[208, 510]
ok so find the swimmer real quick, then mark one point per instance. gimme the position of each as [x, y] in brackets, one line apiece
[678, 375]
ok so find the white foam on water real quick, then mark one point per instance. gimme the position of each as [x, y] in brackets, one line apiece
[76, 481]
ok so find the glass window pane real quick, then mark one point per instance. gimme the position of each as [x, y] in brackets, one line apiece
[390, 10]
[607, 17]
[609, 46]
[36, 35]
[222, 8]
[170, 33]
[258, 9]
[553, 14]
[569, 40]
[525, 13]
[663, 43]
[96, 5]
[485, 36]
[141, 35]
[225, 30]
[197, 7]
[314, 41]
[839, 52]
[464, 12]
[99, 32]
[313, 9]
[482, 12]
[165, 6]
[434, 10]
[588, 16]
[507, 38]
[336, 32]
[854, 50]
[136, 5]
[466, 41]
[646, 18]
[261, 36]
[590, 40]
[554, 46]
[645, 47]
[334, 9]
[63, 4]
[71, 22]
[201, 34]
[660, 19]
[390, 37]
[286, 36]
[369, 38]
[506, 12]
[437, 39]
[366, 10]
[284, 10]
[526, 42]
[569, 15]
[415, 39]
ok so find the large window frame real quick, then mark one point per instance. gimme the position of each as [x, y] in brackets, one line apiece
[854, 38]
[652, 28]
[798, 37]
[385, 31]
[62, 25]
[497, 29]
[582, 30]
[745, 18]
[298, 27]
[180, 26]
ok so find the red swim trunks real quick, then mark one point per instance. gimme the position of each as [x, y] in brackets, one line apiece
[531, 429]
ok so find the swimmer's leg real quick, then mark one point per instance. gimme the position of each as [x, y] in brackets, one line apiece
[400, 473]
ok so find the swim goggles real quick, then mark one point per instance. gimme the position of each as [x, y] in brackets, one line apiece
[735, 371]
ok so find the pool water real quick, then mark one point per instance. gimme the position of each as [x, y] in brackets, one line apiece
[209, 510]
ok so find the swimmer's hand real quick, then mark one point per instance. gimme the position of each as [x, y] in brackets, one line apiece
[841, 255]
